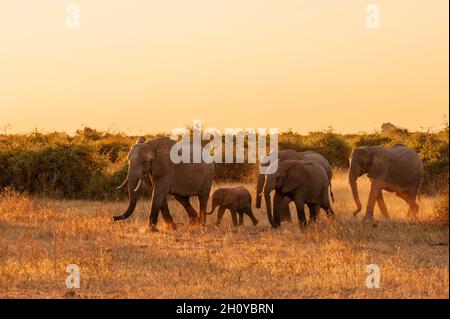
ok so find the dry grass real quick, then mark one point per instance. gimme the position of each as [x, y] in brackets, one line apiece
[40, 237]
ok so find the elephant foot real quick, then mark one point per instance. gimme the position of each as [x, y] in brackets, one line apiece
[355, 213]
[152, 228]
[368, 220]
[171, 226]
[412, 215]
[201, 222]
[255, 222]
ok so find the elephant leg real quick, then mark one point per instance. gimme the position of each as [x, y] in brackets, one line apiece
[220, 215]
[157, 200]
[184, 201]
[382, 206]
[192, 213]
[326, 205]
[403, 196]
[277, 206]
[329, 210]
[203, 201]
[250, 214]
[413, 207]
[234, 217]
[375, 190]
[166, 215]
[241, 218]
[414, 195]
[300, 206]
[285, 212]
[313, 212]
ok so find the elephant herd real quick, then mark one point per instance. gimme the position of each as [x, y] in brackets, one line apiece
[301, 177]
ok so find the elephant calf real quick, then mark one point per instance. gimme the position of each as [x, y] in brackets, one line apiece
[237, 199]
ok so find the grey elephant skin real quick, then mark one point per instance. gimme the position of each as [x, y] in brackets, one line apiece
[236, 199]
[182, 180]
[305, 182]
[283, 156]
[395, 169]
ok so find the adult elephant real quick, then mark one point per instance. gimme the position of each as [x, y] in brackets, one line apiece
[283, 156]
[183, 180]
[395, 169]
[304, 182]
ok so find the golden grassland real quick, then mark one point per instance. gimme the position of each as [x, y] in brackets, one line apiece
[40, 237]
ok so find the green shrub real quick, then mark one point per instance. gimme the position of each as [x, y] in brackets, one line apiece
[91, 164]
[373, 139]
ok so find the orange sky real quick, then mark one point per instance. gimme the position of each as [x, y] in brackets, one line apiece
[149, 66]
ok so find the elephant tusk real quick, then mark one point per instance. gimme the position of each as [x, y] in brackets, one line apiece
[264, 186]
[123, 184]
[138, 185]
[151, 180]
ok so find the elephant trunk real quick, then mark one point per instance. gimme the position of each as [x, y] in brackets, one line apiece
[354, 187]
[259, 190]
[267, 189]
[133, 197]
[269, 209]
[213, 208]
[331, 193]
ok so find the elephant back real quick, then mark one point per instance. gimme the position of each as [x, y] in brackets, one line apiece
[405, 166]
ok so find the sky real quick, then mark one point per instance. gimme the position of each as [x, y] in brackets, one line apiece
[147, 66]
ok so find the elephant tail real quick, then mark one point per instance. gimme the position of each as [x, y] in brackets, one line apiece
[419, 188]
[331, 193]
[418, 192]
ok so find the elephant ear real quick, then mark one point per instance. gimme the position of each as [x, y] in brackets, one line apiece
[378, 165]
[292, 177]
[161, 162]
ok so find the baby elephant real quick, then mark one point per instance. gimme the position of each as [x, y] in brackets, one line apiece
[237, 199]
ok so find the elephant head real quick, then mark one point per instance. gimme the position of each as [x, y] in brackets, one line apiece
[150, 158]
[360, 163]
[220, 198]
[272, 182]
